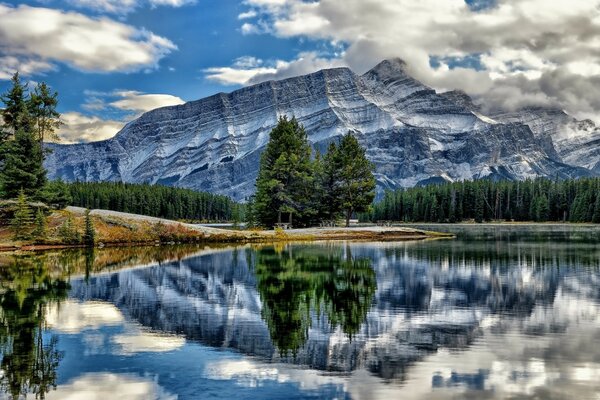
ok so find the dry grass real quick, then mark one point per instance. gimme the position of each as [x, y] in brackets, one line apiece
[118, 230]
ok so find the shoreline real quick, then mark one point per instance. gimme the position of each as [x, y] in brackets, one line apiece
[118, 229]
[256, 237]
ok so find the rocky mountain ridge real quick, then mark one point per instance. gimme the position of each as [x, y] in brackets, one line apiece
[412, 134]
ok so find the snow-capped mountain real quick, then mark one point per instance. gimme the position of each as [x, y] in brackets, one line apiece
[412, 134]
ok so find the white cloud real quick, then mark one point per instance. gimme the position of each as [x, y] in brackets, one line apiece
[78, 127]
[125, 6]
[141, 102]
[47, 36]
[72, 316]
[526, 48]
[27, 67]
[249, 29]
[82, 128]
[142, 341]
[247, 14]
[102, 385]
[244, 72]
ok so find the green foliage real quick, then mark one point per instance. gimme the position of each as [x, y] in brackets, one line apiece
[89, 235]
[40, 226]
[29, 119]
[285, 178]
[291, 186]
[484, 200]
[356, 181]
[23, 166]
[57, 194]
[22, 218]
[42, 109]
[68, 232]
[30, 357]
[153, 200]
[15, 113]
[298, 280]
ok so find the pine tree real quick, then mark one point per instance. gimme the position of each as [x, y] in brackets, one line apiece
[68, 231]
[22, 218]
[328, 184]
[283, 186]
[23, 167]
[16, 110]
[357, 183]
[89, 236]
[41, 227]
[42, 108]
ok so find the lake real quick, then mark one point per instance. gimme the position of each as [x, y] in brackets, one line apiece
[499, 312]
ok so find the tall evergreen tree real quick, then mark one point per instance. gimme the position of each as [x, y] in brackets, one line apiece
[41, 226]
[42, 108]
[89, 234]
[23, 167]
[329, 184]
[22, 219]
[283, 186]
[15, 113]
[357, 183]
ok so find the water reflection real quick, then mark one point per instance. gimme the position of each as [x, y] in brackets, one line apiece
[29, 360]
[296, 283]
[482, 316]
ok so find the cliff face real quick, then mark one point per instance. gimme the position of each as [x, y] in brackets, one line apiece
[412, 134]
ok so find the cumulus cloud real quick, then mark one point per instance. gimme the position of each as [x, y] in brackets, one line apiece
[127, 104]
[125, 6]
[39, 37]
[10, 64]
[537, 51]
[132, 100]
[78, 127]
[243, 72]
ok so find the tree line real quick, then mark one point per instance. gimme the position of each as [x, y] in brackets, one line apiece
[296, 188]
[154, 200]
[539, 199]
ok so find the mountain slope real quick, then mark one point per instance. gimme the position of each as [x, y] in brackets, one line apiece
[412, 134]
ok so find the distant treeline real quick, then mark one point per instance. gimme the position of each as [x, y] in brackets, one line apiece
[154, 200]
[485, 200]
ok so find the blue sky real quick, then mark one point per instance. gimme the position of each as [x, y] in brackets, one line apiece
[111, 60]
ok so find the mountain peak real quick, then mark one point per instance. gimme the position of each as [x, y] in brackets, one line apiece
[391, 66]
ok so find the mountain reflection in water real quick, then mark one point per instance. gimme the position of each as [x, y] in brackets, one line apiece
[492, 315]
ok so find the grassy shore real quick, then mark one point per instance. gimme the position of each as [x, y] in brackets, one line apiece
[123, 229]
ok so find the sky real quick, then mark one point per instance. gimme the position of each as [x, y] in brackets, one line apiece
[111, 60]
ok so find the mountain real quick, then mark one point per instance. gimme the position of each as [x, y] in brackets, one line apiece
[576, 142]
[412, 134]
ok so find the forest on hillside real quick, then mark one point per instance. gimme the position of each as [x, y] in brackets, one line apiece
[540, 200]
[154, 200]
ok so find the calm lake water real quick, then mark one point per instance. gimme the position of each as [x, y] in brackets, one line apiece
[499, 312]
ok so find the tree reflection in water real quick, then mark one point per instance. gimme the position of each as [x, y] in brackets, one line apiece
[29, 362]
[31, 283]
[297, 283]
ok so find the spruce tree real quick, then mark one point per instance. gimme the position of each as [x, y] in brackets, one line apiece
[42, 108]
[357, 183]
[22, 218]
[16, 108]
[41, 227]
[283, 186]
[23, 167]
[329, 184]
[89, 235]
